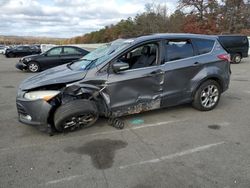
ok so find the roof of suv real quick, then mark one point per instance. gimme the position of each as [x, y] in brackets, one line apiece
[173, 35]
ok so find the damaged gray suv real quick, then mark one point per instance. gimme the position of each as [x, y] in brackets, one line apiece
[127, 76]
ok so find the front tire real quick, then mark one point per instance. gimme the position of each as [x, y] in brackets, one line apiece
[33, 67]
[207, 96]
[75, 114]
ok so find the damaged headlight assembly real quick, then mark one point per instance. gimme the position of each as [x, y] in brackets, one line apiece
[45, 95]
[27, 59]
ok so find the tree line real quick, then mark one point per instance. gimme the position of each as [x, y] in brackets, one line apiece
[191, 16]
[16, 40]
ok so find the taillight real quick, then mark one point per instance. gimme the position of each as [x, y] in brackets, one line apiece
[225, 57]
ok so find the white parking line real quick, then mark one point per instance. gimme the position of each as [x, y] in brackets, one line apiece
[95, 134]
[174, 155]
[224, 124]
[154, 124]
[63, 179]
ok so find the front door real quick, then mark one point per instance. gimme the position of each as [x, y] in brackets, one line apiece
[52, 58]
[140, 87]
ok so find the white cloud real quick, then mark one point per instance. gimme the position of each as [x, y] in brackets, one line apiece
[65, 18]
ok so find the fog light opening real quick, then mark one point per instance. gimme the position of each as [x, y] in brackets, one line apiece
[27, 117]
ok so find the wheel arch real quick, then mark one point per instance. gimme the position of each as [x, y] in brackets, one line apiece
[212, 77]
[238, 53]
[89, 92]
[35, 61]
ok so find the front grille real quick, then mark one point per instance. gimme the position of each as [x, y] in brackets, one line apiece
[20, 109]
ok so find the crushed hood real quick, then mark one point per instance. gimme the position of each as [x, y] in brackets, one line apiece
[57, 75]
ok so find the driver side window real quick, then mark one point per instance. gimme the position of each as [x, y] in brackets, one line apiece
[140, 57]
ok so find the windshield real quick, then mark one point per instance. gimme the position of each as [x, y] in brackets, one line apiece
[100, 55]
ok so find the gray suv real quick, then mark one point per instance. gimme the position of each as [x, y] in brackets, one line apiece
[127, 76]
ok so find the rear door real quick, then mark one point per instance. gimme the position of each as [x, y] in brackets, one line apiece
[70, 54]
[20, 51]
[26, 51]
[180, 66]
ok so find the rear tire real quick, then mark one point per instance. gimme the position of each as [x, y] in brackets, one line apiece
[33, 67]
[75, 114]
[207, 96]
[236, 58]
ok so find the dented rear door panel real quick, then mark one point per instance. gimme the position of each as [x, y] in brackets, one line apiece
[178, 81]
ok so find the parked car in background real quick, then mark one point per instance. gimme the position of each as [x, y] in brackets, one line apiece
[126, 77]
[2, 49]
[36, 47]
[46, 47]
[55, 56]
[236, 45]
[249, 45]
[20, 51]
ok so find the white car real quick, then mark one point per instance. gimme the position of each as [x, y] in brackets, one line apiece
[2, 49]
[249, 45]
[46, 47]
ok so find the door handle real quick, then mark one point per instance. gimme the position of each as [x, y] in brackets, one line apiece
[196, 64]
[159, 71]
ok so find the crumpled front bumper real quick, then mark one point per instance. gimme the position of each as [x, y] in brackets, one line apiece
[20, 65]
[34, 112]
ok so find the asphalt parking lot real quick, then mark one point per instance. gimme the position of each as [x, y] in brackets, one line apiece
[174, 147]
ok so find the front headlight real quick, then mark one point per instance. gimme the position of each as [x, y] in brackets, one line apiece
[26, 59]
[45, 95]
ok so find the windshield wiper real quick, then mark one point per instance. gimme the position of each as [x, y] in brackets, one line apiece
[69, 64]
[91, 63]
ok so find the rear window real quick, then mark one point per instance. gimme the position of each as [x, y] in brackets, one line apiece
[179, 49]
[204, 45]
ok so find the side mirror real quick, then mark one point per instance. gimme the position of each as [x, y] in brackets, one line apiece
[120, 66]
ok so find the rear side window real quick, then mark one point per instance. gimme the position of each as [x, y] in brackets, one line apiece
[204, 45]
[178, 49]
[70, 50]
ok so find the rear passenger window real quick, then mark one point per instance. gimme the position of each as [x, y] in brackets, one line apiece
[72, 51]
[178, 49]
[203, 45]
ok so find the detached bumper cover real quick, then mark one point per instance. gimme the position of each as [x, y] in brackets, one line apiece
[21, 66]
[33, 112]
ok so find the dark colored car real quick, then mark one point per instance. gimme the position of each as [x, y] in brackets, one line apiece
[126, 77]
[55, 56]
[236, 45]
[20, 51]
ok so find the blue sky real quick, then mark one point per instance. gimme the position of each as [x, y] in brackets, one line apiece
[66, 18]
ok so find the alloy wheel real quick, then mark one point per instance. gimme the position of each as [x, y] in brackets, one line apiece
[33, 67]
[74, 122]
[209, 96]
[237, 59]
